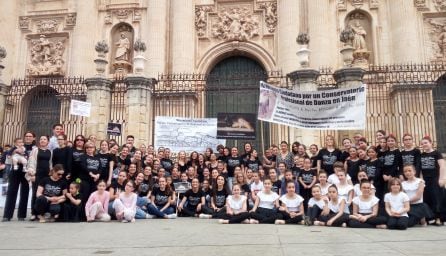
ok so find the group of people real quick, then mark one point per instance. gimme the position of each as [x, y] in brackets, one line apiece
[359, 185]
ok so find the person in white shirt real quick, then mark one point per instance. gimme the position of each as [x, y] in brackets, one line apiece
[267, 201]
[292, 208]
[414, 188]
[236, 207]
[365, 209]
[334, 213]
[397, 206]
[315, 205]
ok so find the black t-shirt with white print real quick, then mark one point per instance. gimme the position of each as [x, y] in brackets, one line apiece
[220, 198]
[161, 197]
[193, 198]
[429, 164]
[52, 188]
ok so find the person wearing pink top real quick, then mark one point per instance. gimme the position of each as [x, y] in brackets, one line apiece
[97, 204]
[125, 203]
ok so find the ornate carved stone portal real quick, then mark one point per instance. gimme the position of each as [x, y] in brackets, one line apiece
[47, 55]
[235, 24]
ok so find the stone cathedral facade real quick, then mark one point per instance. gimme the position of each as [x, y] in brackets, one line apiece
[57, 39]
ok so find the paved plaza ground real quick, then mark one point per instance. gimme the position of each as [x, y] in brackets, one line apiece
[187, 236]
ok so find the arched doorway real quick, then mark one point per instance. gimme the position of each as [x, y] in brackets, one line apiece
[232, 86]
[439, 99]
[43, 110]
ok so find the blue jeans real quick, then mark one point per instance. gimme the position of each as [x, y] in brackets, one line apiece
[141, 207]
[155, 210]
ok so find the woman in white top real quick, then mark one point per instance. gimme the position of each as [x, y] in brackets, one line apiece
[334, 213]
[235, 207]
[397, 206]
[315, 205]
[323, 183]
[267, 201]
[292, 208]
[362, 174]
[414, 188]
[365, 209]
[345, 190]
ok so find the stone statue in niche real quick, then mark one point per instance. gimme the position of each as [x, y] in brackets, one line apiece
[361, 54]
[122, 48]
[360, 33]
[46, 57]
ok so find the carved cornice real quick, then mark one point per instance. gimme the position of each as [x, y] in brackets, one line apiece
[357, 4]
[47, 23]
[114, 15]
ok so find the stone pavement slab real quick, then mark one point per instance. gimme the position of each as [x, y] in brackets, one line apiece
[186, 236]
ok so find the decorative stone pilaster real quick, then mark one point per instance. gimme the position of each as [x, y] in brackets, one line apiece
[99, 95]
[139, 98]
[348, 77]
[304, 80]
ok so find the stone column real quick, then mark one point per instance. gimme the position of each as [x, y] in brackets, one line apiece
[349, 77]
[139, 100]
[304, 80]
[182, 36]
[4, 90]
[156, 37]
[322, 32]
[99, 95]
[405, 34]
[287, 31]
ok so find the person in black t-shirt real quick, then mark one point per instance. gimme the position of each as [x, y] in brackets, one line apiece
[433, 171]
[161, 199]
[192, 201]
[72, 207]
[218, 200]
[328, 155]
[51, 194]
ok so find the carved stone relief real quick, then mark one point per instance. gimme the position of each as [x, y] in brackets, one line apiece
[436, 36]
[229, 21]
[374, 4]
[440, 5]
[130, 15]
[342, 6]
[235, 24]
[270, 15]
[201, 19]
[47, 26]
[46, 56]
[357, 3]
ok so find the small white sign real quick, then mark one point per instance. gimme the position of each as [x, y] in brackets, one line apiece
[80, 108]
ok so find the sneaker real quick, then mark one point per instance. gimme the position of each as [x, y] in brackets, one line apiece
[172, 216]
[124, 221]
[148, 216]
[16, 167]
[279, 222]
[245, 221]
[221, 221]
[133, 220]
[6, 219]
[344, 225]
[204, 216]
[317, 223]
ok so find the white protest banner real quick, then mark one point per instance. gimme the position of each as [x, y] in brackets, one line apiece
[339, 109]
[188, 134]
[80, 108]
